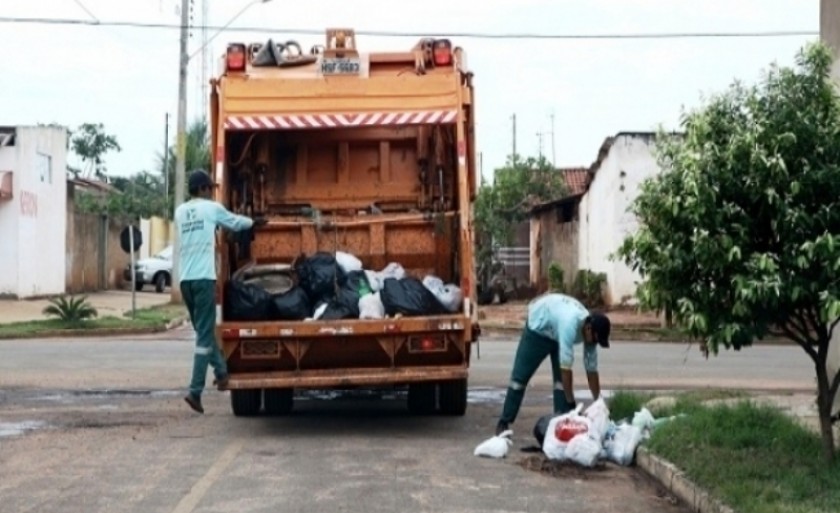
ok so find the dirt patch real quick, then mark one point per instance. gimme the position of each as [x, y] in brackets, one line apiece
[564, 469]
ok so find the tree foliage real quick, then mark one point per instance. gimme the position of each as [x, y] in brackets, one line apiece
[146, 194]
[740, 234]
[91, 143]
[518, 186]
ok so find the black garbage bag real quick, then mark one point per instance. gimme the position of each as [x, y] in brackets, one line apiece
[247, 302]
[318, 275]
[292, 305]
[410, 297]
[345, 305]
[541, 427]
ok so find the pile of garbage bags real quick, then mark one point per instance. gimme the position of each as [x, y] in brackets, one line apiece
[583, 438]
[336, 286]
[587, 437]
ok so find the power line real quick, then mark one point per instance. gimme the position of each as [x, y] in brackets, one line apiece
[387, 33]
[84, 8]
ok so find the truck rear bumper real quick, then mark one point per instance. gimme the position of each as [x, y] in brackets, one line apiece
[343, 377]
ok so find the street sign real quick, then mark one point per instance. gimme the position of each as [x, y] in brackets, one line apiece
[126, 236]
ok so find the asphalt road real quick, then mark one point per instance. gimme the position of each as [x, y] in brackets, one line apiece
[98, 425]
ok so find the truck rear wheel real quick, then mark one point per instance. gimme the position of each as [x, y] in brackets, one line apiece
[453, 397]
[246, 403]
[422, 398]
[278, 401]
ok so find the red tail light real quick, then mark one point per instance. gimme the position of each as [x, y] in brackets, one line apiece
[443, 52]
[427, 344]
[235, 57]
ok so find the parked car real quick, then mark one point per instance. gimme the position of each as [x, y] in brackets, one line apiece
[156, 271]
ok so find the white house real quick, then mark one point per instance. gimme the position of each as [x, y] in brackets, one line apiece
[623, 162]
[33, 210]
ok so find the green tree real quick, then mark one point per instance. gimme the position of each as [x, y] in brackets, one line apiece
[197, 155]
[740, 234]
[91, 143]
[499, 207]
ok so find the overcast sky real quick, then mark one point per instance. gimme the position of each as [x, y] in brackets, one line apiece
[127, 78]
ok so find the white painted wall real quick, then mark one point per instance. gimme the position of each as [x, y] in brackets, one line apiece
[9, 233]
[604, 217]
[34, 222]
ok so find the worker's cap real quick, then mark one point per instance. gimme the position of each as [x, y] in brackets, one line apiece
[199, 179]
[600, 328]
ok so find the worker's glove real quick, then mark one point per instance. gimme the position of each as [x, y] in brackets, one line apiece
[260, 221]
[572, 405]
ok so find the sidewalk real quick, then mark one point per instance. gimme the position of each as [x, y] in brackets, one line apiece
[108, 303]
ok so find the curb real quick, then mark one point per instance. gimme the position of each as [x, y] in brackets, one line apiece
[104, 332]
[675, 481]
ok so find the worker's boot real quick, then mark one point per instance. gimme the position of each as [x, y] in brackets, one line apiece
[194, 402]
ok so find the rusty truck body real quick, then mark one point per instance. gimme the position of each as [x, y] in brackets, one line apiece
[370, 153]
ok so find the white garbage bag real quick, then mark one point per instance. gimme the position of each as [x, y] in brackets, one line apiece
[393, 270]
[371, 307]
[583, 450]
[348, 262]
[561, 430]
[495, 447]
[599, 414]
[375, 280]
[449, 295]
[643, 419]
[621, 446]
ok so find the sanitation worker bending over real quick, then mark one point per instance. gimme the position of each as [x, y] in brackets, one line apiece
[196, 222]
[556, 323]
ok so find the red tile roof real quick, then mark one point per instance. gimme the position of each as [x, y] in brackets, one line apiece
[577, 178]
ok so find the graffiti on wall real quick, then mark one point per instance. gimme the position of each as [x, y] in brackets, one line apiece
[28, 204]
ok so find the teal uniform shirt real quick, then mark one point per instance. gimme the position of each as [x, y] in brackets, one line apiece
[560, 318]
[196, 222]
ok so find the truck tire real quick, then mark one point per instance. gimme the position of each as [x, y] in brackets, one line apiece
[453, 397]
[278, 401]
[422, 398]
[160, 282]
[246, 403]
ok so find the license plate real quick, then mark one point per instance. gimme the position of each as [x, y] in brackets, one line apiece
[344, 66]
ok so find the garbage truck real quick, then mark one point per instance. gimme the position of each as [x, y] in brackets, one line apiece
[362, 166]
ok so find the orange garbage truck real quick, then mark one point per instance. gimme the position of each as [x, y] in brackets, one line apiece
[362, 165]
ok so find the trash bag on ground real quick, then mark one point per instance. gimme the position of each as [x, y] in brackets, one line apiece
[349, 263]
[449, 295]
[291, 306]
[561, 430]
[599, 414]
[371, 307]
[318, 275]
[541, 427]
[621, 445]
[409, 297]
[496, 446]
[247, 302]
[583, 449]
[643, 419]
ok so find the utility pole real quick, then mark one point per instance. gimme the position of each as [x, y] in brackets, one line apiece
[166, 162]
[181, 142]
[513, 155]
[540, 140]
[553, 147]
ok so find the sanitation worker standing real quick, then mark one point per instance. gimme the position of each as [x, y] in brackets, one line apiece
[196, 222]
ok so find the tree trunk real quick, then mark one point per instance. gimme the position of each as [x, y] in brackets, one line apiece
[824, 402]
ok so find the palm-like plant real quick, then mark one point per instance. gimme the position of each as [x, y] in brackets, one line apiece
[72, 309]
